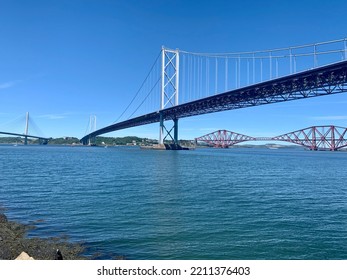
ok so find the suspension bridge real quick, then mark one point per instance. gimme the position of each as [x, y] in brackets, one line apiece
[216, 82]
[314, 138]
[42, 140]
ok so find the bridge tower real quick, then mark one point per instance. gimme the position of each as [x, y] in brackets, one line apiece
[92, 128]
[26, 130]
[169, 93]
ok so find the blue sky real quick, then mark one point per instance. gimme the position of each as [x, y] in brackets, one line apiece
[65, 60]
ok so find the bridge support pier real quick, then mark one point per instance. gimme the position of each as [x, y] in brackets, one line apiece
[161, 130]
[176, 131]
[165, 132]
[92, 141]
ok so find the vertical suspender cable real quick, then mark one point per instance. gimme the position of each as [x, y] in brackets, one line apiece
[294, 63]
[248, 72]
[201, 78]
[207, 75]
[236, 76]
[183, 75]
[290, 61]
[196, 78]
[239, 72]
[193, 77]
[253, 69]
[189, 77]
[216, 77]
[261, 69]
[270, 65]
[226, 73]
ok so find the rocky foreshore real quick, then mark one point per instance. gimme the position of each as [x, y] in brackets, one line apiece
[13, 242]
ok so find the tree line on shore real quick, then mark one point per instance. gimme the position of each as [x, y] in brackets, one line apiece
[100, 141]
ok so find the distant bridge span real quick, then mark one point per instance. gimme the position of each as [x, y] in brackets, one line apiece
[43, 140]
[26, 135]
[315, 138]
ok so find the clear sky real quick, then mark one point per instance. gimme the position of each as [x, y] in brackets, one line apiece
[64, 60]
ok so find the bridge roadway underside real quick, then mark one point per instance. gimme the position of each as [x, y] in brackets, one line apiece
[329, 79]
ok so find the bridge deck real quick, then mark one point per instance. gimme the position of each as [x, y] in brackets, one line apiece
[24, 135]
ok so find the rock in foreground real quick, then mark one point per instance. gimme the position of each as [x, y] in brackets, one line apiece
[13, 242]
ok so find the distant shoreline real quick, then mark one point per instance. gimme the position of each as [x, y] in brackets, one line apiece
[134, 141]
[100, 141]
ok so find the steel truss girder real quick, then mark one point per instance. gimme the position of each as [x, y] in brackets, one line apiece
[326, 137]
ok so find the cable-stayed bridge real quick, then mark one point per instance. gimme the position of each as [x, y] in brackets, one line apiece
[182, 84]
[42, 140]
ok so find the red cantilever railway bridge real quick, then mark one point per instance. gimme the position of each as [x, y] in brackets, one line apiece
[315, 138]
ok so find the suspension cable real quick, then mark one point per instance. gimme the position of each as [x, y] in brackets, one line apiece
[144, 81]
[145, 98]
[265, 51]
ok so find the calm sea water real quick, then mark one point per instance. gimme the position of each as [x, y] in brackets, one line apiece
[202, 204]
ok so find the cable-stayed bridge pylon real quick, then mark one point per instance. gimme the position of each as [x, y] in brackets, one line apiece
[182, 84]
[27, 134]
